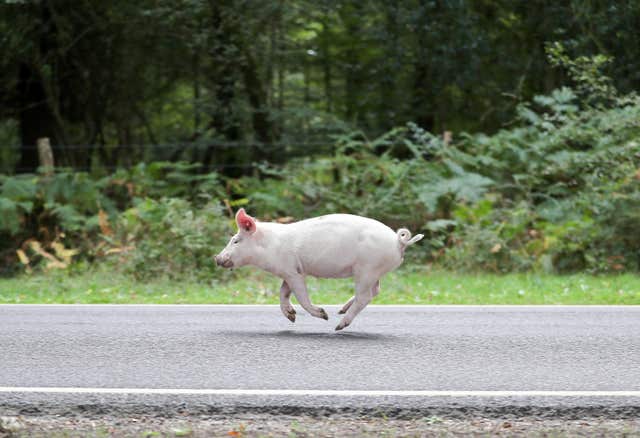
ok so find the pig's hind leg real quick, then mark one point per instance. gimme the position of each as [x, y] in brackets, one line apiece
[299, 288]
[374, 292]
[366, 289]
[285, 302]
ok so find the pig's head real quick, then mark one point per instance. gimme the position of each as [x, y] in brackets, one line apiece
[242, 246]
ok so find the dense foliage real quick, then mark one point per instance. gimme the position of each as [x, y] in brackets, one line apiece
[151, 219]
[558, 191]
[201, 77]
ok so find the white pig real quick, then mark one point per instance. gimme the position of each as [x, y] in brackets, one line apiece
[331, 246]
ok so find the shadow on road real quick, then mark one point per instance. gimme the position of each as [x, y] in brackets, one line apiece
[291, 334]
[333, 335]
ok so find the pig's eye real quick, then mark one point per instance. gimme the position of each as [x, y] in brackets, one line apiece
[236, 241]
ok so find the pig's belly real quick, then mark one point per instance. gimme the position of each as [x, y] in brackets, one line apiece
[329, 271]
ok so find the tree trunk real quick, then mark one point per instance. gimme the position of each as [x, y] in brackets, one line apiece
[422, 101]
[388, 106]
[261, 120]
[196, 89]
[423, 95]
[353, 74]
[225, 72]
[279, 58]
[326, 67]
[36, 117]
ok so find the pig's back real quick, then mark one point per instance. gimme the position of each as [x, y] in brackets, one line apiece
[336, 245]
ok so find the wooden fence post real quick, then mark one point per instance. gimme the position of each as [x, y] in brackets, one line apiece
[46, 156]
[447, 136]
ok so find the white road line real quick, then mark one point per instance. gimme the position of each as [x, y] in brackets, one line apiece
[314, 392]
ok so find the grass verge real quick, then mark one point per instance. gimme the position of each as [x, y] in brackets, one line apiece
[406, 286]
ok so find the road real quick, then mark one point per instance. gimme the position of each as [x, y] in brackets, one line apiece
[402, 359]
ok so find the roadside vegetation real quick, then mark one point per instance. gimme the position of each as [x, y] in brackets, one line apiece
[557, 192]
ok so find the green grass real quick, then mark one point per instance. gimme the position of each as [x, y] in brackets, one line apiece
[407, 286]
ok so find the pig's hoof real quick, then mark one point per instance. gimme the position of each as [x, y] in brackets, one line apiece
[290, 313]
[342, 312]
[324, 315]
[342, 325]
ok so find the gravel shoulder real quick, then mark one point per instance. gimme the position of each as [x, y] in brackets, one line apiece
[306, 426]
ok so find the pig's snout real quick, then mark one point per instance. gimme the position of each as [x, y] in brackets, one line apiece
[224, 262]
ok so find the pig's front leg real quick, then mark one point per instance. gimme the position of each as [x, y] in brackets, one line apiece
[285, 302]
[297, 284]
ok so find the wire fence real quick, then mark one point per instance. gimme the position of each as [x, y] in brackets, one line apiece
[216, 144]
[220, 156]
[112, 168]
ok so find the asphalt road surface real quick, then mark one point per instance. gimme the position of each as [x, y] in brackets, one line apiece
[565, 359]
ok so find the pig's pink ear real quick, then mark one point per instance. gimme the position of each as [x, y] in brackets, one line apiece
[245, 222]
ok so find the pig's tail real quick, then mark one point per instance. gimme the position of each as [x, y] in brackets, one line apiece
[404, 237]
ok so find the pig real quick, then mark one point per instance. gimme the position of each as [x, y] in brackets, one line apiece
[331, 246]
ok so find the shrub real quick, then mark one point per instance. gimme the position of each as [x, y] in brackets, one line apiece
[73, 209]
[559, 190]
[170, 238]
